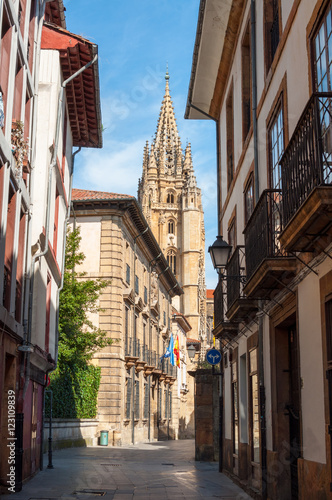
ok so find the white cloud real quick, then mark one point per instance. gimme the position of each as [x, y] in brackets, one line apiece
[116, 168]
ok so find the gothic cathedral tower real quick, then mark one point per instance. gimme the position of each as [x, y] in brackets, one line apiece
[172, 205]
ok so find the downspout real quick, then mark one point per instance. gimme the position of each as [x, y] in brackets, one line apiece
[58, 297]
[26, 299]
[219, 208]
[48, 209]
[260, 302]
[150, 344]
[134, 339]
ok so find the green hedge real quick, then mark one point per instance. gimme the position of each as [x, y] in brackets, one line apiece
[75, 392]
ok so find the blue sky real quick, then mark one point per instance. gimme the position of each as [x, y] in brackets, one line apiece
[135, 41]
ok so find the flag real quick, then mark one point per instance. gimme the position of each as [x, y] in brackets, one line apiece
[169, 349]
[177, 351]
[2, 114]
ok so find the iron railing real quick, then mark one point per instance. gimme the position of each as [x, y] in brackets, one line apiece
[307, 160]
[262, 231]
[219, 303]
[235, 276]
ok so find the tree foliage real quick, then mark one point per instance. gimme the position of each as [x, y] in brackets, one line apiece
[79, 338]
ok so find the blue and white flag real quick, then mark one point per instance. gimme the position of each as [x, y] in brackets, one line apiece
[170, 350]
[2, 114]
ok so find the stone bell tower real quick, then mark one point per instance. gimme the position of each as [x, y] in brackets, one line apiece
[172, 205]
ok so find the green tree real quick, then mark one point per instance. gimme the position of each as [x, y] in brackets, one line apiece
[79, 338]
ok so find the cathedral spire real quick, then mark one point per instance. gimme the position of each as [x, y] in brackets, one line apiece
[167, 137]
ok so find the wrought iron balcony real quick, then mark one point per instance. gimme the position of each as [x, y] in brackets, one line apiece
[268, 266]
[306, 168]
[239, 307]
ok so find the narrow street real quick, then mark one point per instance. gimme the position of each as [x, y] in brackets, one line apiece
[156, 471]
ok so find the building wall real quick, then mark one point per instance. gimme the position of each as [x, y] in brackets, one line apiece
[290, 316]
[107, 258]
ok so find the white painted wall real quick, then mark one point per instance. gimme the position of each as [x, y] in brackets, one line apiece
[90, 229]
[312, 393]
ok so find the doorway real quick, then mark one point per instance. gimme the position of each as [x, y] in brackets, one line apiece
[287, 422]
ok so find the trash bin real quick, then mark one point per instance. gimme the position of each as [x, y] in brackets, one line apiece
[103, 438]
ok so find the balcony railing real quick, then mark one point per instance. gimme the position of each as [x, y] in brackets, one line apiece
[219, 304]
[262, 231]
[235, 276]
[307, 160]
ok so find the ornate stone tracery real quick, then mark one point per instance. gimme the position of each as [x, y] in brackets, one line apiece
[169, 187]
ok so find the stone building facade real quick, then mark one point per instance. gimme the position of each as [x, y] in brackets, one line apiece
[137, 398]
[171, 202]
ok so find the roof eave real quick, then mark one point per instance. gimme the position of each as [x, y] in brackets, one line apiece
[209, 43]
[141, 224]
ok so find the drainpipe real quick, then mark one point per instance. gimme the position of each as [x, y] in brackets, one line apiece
[48, 210]
[260, 303]
[134, 329]
[57, 299]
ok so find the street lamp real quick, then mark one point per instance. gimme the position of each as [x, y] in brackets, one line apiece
[219, 252]
[191, 352]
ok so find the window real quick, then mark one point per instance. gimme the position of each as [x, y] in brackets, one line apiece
[232, 234]
[171, 259]
[170, 198]
[136, 284]
[235, 409]
[146, 402]
[171, 227]
[322, 51]
[272, 30]
[323, 54]
[328, 315]
[230, 138]
[145, 295]
[136, 399]
[128, 397]
[166, 404]
[128, 274]
[127, 331]
[253, 381]
[246, 84]
[159, 403]
[164, 318]
[249, 199]
[276, 140]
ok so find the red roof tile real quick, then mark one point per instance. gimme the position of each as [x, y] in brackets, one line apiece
[209, 294]
[83, 194]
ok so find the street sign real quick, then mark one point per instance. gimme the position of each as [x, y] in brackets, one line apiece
[213, 357]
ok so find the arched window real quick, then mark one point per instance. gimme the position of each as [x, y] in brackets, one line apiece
[170, 198]
[171, 227]
[171, 259]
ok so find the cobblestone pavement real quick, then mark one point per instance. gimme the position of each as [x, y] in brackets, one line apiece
[154, 471]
